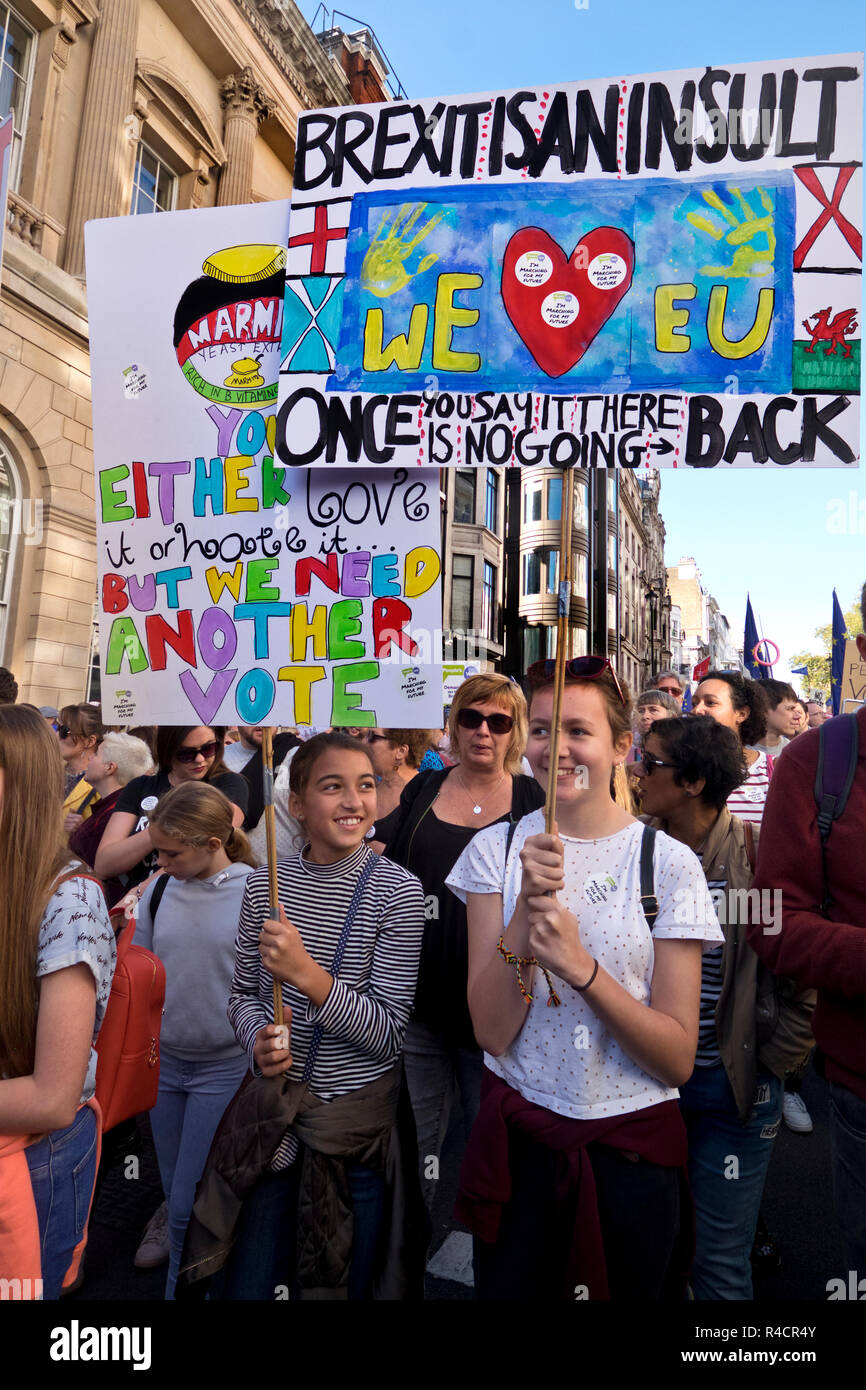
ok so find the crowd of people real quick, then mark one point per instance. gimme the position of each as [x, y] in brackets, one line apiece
[622, 1007]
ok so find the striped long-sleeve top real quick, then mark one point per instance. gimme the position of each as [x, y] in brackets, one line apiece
[365, 1015]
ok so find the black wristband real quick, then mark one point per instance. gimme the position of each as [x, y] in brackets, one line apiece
[581, 988]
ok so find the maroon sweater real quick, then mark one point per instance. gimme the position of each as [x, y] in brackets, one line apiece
[829, 955]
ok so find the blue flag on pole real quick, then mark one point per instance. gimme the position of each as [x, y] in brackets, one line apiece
[750, 641]
[687, 699]
[837, 657]
[799, 670]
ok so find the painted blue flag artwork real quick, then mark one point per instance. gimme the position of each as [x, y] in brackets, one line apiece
[662, 278]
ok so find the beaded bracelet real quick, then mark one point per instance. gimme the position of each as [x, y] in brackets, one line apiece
[517, 961]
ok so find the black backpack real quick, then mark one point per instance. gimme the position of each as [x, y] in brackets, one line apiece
[838, 750]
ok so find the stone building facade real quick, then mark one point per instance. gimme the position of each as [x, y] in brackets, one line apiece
[120, 107]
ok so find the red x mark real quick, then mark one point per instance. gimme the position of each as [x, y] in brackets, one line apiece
[318, 239]
[831, 213]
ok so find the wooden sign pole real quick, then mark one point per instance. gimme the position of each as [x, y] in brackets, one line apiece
[563, 619]
[271, 837]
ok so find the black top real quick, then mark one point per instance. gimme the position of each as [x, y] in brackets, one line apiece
[253, 774]
[231, 784]
[415, 837]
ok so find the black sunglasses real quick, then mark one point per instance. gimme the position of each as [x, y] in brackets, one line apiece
[189, 755]
[650, 761]
[376, 738]
[585, 668]
[496, 723]
[63, 730]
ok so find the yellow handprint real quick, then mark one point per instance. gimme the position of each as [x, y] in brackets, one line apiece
[747, 259]
[383, 272]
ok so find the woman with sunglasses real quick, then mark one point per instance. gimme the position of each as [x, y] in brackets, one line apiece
[741, 705]
[79, 732]
[584, 991]
[438, 814]
[754, 1027]
[396, 756]
[184, 754]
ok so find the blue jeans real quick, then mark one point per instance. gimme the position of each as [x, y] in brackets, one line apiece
[263, 1258]
[62, 1172]
[192, 1098]
[435, 1071]
[848, 1150]
[727, 1169]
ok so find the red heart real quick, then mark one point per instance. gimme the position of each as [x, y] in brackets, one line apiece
[558, 305]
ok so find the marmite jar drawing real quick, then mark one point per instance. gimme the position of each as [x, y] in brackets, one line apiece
[228, 324]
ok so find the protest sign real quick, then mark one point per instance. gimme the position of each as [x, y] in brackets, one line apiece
[853, 688]
[454, 673]
[656, 270]
[232, 589]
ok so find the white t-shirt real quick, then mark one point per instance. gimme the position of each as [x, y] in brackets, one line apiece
[564, 1058]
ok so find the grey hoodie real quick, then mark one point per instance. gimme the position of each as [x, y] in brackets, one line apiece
[194, 937]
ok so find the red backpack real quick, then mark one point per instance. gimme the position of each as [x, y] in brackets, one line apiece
[127, 1072]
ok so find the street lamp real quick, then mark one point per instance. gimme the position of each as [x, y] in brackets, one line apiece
[654, 593]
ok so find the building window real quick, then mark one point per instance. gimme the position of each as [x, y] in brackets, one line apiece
[540, 572]
[532, 572]
[154, 186]
[491, 502]
[461, 593]
[580, 506]
[554, 499]
[9, 530]
[464, 495]
[578, 567]
[488, 602]
[532, 502]
[16, 65]
[552, 570]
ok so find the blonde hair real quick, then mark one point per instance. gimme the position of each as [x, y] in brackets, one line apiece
[131, 756]
[196, 812]
[478, 690]
[32, 854]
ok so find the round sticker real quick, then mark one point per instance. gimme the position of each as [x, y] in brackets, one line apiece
[598, 890]
[607, 271]
[560, 309]
[533, 268]
[149, 804]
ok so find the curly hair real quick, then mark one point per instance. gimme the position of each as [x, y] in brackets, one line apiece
[746, 695]
[416, 740]
[703, 748]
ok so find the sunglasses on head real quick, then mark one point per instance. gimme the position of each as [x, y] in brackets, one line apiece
[650, 761]
[189, 755]
[496, 723]
[584, 668]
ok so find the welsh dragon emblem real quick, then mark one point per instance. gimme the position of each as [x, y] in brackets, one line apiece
[833, 331]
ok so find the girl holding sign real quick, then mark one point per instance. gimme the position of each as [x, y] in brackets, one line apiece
[585, 999]
[346, 949]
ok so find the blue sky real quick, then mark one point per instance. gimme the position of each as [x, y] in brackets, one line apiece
[789, 536]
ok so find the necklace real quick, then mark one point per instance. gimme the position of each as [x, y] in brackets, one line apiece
[477, 808]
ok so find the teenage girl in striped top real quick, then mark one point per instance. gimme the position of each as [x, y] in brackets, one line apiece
[347, 1020]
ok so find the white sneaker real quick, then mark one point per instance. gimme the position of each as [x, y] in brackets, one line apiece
[154, 1247]
[795, 1114]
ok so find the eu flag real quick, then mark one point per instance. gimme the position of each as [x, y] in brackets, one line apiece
[750, 641]
[837, 657]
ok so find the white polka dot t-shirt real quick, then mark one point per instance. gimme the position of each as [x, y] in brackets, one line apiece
[565, 1059]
